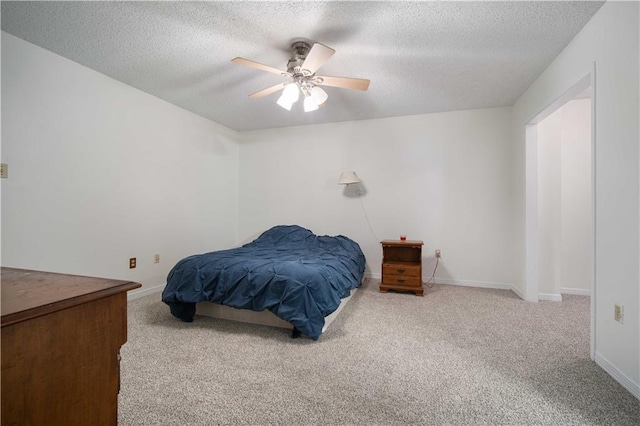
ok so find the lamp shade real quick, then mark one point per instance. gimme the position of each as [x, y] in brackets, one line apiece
[319, 95]
[291, 93]
[285, 103]
[310, 104]
[347, 178]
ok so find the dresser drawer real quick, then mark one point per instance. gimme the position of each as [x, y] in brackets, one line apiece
[401, 269]
[401, 280]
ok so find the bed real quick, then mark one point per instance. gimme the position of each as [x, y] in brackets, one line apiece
[291, 272]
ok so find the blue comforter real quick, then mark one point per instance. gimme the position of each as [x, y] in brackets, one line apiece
[288, 270]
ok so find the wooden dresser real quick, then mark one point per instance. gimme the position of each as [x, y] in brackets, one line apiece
[402, 266]
[61, 337]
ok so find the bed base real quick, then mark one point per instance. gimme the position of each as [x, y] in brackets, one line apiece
[265, 317]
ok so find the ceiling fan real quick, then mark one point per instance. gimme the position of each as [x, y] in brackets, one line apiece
[301, 69]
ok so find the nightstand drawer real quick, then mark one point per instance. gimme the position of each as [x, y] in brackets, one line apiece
[401, 280]
[401, 269]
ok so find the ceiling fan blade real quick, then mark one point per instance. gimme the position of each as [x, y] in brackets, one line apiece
[258, 65]
[345, 82]
[317, 56]
[267, 91]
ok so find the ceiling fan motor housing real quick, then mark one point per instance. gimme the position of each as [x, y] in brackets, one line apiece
[300, 50]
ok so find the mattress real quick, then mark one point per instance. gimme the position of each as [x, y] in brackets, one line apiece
[267, 318]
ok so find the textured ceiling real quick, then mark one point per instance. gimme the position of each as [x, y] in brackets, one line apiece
[421, 57]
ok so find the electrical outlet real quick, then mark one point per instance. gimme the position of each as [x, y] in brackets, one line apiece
[156, 258]
[438, 255]
[618, 313]
[132, 263]
[4, 170]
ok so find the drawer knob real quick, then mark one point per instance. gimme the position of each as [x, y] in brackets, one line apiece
[400, 271]
[400, 281]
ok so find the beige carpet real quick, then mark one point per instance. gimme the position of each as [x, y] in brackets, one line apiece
[458, 356]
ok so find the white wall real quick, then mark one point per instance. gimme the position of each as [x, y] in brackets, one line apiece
[549, 202]
[575, 255]
[610, 40]
[100, 172]
[441, 178]
[564, 200]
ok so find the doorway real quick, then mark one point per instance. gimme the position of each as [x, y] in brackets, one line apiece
[560, 199]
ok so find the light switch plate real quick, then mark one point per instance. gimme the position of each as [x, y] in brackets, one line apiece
[4, 170]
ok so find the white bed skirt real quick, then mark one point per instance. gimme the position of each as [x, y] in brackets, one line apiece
[265, 317]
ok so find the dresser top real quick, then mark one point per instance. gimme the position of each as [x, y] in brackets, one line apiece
[28, 294]
[411, 243]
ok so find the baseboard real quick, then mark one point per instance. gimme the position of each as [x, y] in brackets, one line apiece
[575, 291]
[518, 292]
[468, 283]
[465, 283]
[552, 297]
[618, 376]
[373, 275]
[136, 294]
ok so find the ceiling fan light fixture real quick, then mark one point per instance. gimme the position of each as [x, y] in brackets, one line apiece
[310, 104]
[291, 93]
[285, 103]
[319, 95]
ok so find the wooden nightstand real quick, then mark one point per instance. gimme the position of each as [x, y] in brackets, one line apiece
[402, 266]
